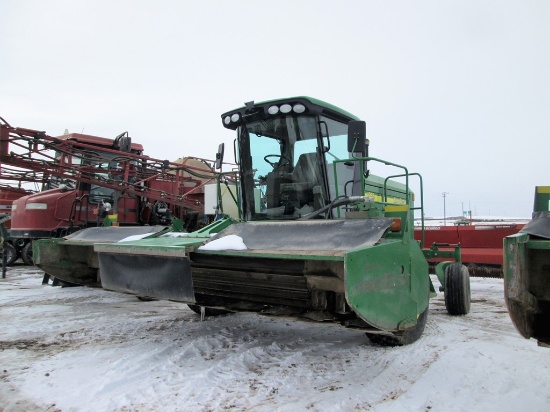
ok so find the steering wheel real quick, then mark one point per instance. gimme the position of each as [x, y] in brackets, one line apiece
[277, 163]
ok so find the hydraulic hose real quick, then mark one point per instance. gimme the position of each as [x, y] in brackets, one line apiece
[339, 201]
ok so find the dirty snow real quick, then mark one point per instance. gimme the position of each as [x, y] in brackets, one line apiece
[229, 242]
[83, 349]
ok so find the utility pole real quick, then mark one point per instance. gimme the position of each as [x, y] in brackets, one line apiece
[444, 194]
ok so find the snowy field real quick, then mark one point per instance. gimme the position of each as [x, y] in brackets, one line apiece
[81, 349]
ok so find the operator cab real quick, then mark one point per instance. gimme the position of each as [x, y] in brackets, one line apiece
[103, 164]
[285, 150]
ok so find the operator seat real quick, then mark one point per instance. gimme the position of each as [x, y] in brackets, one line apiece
[306, 180]
[307, 169]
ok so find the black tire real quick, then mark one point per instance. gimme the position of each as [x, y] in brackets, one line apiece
[26, 254]
[457, 289]
[208, 311]
[401, 338]
[11, 254]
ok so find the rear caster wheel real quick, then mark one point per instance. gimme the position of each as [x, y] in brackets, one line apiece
[457, 289]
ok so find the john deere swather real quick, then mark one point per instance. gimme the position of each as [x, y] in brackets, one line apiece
[318, 237]
[527, 272]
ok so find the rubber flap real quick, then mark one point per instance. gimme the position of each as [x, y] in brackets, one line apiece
[322, 235]
[539, 225]
[148, 276]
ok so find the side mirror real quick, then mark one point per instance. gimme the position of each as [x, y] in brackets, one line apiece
[357, 136]
[124, 142]
[219, 156]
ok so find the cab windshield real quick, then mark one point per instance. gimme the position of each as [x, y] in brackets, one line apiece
[290, 161]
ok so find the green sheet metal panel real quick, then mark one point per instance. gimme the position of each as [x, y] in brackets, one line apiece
[166, 245]
[522, 305]
[542, 199]
[387, 285]
[296, 255]
[73, 262]
[154, 247]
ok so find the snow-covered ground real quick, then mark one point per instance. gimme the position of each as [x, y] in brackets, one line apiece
[81, 349]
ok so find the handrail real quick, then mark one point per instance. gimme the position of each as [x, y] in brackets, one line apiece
[406, 174]
[234, 173]
[421, 207]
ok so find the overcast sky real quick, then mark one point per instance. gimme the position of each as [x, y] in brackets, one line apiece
[458, 91]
